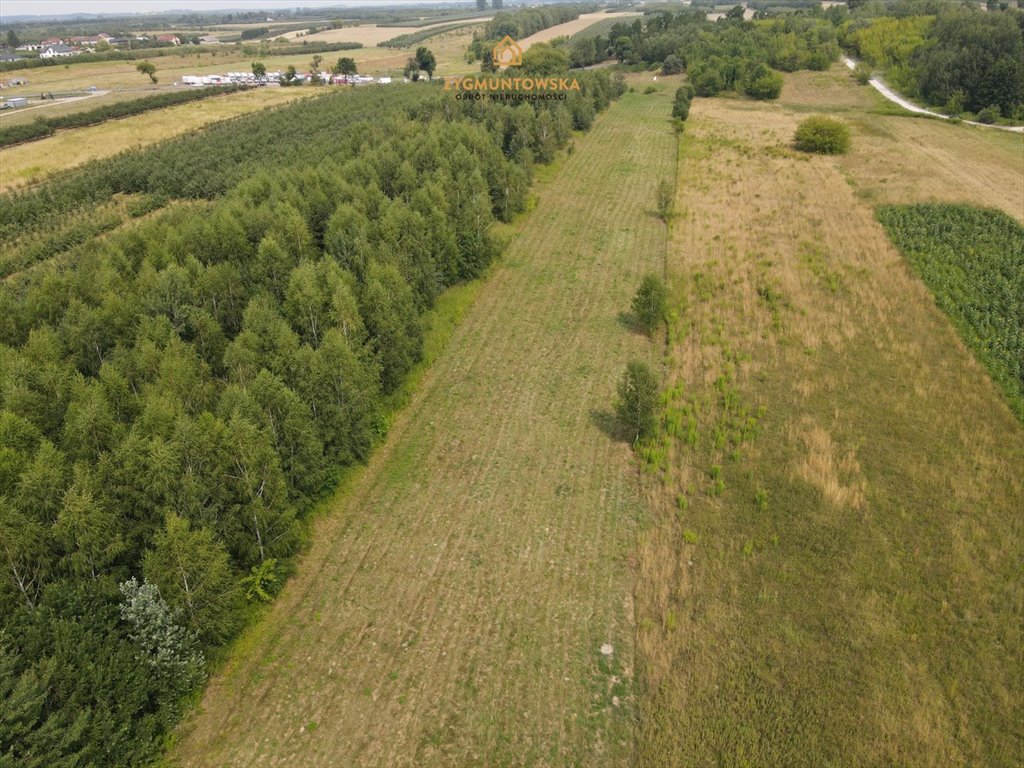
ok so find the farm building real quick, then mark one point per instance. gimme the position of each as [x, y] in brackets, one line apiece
[55, 52]
[172, 39]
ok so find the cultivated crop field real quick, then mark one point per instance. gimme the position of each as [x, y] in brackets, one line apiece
[27, 163]
[832, 577]
[454, 603]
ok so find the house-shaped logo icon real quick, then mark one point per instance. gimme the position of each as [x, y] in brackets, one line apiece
[507, 53]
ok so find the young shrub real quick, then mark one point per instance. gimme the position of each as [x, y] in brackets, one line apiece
[822, 135]
[650, 89]
[708, 83]
[650, 303]
[762, 83]
[990, 115]
[664, 200]
[681, 105]
[862, 73]
[638, 400]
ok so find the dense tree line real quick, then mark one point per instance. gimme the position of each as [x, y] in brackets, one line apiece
[175, 397]
[956, 57]
[725, 55]
[45, 126]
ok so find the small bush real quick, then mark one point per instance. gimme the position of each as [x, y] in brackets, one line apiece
[708, 83]
[762, 83]
[665, 194]
[650, 89]
[649, 304]
[862, 73]
[990, 115]
[822, 135]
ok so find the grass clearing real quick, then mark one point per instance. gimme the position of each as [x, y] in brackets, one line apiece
[453, 605]
[832, 573]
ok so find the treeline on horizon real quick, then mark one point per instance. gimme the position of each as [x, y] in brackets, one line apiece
[176, 395]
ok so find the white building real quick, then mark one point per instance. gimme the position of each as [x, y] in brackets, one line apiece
[55, 52]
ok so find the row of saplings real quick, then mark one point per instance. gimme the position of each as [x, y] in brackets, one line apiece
[637, 404]
[818, 133]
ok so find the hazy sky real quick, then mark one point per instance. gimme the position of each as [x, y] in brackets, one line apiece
[48, 7]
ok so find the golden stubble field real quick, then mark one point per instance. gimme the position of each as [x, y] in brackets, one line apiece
[30, 162]
[832, 575]
[570, 28]
[453, 606]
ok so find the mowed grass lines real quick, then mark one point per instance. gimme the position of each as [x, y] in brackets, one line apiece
[452, 608]
[832, 577]
[973, 261]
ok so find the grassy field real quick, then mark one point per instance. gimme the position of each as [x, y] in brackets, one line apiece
[832, 573]
[457, 594]
[26, 163]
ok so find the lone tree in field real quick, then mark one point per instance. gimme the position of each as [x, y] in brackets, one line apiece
[314, 70]
[346, 66]
[426, 61]
[650, 303]
[259, 69]
[822, 135]
[147, 68]
[638, 400]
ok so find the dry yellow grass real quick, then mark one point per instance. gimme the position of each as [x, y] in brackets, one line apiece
[453, 605]
[840, 585]
[31, 162]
